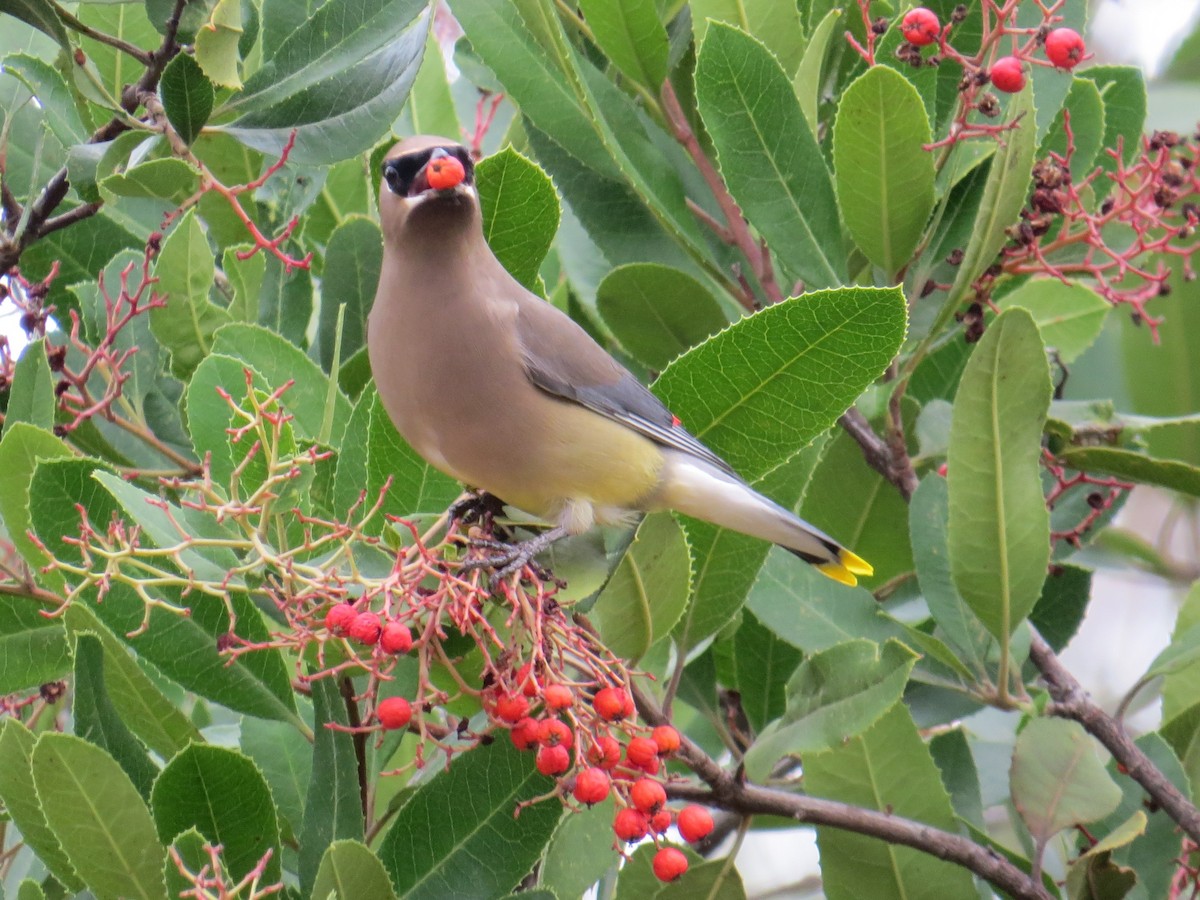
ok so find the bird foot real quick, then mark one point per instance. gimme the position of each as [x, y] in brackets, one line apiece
[511, 558]
[476, 506]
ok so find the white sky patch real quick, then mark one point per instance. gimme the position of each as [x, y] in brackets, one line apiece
[1141, 32]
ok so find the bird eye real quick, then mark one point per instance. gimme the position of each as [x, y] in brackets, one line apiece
[391, 174]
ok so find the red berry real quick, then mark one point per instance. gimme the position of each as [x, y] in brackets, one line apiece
[394, 713]
[920, 26]
[613, 704]
[1065, 48]
[647, 795]
[695, 823]
[605, 753]
[631, 825]
[553, 732]
[525, 733]
[641, 752]
[444, 172]
[526, 681]
[365, 628]
[1008, 75]
[396, 638]
[591, 786]
[667, 739]
[660, 821]
[669, 864]
[339, 617]
[553, 760]
[511, 708]
[558, 696]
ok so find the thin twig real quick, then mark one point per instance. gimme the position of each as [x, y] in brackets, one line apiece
[896, 468]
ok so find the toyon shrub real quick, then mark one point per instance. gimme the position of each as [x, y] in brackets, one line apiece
[890, 267]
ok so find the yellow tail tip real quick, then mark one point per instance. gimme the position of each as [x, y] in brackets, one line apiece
[845, 568]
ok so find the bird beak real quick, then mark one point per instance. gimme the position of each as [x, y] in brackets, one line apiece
[443, 176]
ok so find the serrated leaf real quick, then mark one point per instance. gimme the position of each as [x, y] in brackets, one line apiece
[999, 529]
[21, 801]
[807, 82]
[580, 852]
[834, 695]
[1086, 111]
[97, 720]
[110, 839]
[349, 870]
[333, 808]
[520, 212]
[885, 178]
[777, 25]
[887, 769]
[631, 36]
[769, 156]
[1058, 780]
[286, 302]
[245, 277]
[353, 259]
[1130, 466]
[221, 794]
[647, 593]
[1123, 90]
[286, 759]
[33, 651]
[470, 848]
[31, 394]
[336, 81]
[80, 252]
[217, 53]
[1070, 316]
[187, 96]
[53, 96]
[430, 102]
[186, 325]
[41, 14]
[20, 449]
[763, 387]
[762, 665]
[657, 312]
[141, 705]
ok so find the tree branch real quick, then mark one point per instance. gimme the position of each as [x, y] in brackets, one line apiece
[895, 467]
[727, 792]
[1071, 701]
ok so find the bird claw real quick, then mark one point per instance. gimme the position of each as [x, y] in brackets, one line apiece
[512, 557]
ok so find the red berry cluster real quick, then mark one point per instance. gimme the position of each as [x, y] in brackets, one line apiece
[392, 637]
[609, 757]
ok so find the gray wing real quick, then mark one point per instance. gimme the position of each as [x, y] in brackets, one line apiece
[562, 359]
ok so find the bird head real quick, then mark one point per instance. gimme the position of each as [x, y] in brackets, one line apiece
[426, 177]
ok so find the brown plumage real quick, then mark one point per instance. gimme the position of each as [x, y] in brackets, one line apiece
[498, 388]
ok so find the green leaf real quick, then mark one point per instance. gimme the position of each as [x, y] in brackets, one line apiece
[41, 14]
[279, 361]
[647, 593]
[884, 177]
[470, 847]
[52, 93]
[761, 665]
[951, 752]
[353, 259]
[761, 388]
[631, 36]
[1127, 465]
[887, 769]
[187, 96]
[286, 302]
[349, 870]
[1086, 110]
[337, 81]
[580, 851]
[20, 449]
[430, 103]
[1057, 779]
[834, 695]
[245, 277]
[33, 650]
[217, 53]
[163, 179]
[808, 611]
[186, 325]
[657, 312]
[80, 252]
[807, 82]
[333, 808]
[1070, 316]
[221, 794]
[97, 720]
[139, 703]
[520, 213]
[110, 838]
[1123, 90]
[31, 395]
[1004, 194]
[286, 761]
[928, 514]
[777, 25]
[1180, 688]
[999, 529]
[533, 78]
[769, 156]
[1061, 607]
[21, 801]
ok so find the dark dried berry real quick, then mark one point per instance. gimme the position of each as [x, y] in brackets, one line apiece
[928, 288]
[955, 257]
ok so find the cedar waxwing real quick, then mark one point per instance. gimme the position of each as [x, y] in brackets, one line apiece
[499, 389]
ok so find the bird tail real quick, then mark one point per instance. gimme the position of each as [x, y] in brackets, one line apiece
[700, 490]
